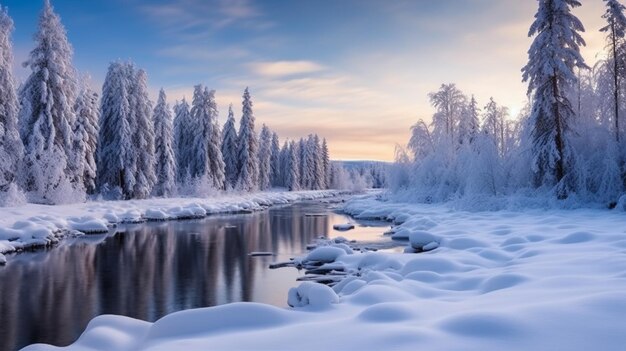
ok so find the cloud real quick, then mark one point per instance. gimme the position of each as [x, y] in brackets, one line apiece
[284, 68]
[201, 18]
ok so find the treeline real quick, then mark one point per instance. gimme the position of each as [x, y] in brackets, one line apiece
[567, 142]
[60, 142]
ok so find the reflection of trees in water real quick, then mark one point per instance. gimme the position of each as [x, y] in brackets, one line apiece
[147, 272]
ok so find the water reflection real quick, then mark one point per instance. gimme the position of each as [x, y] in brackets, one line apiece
[154, 269]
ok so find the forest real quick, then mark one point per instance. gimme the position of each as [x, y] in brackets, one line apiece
[566, 144]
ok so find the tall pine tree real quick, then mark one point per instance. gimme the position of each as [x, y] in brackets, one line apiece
[86, 138]
[265, 157]
[553, 55]
[11, 148]
[616, 30]
[115, 159]
[247, 153]
[183, 140]
[229, 149]
[165, 162]
[47, 113]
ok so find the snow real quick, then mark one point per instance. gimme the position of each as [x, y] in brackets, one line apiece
[514, 280]
[33, 225]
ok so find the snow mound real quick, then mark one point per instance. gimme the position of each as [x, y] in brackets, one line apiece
[326, 254]
[313, 295]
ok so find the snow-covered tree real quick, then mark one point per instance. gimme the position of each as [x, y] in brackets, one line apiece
[326, 164]
[494, 124]
[553, 55]
[165, 161]
[449, 102]
[116, 157]
[292, 171]
[275, 161]
[85, 140]
[265, 157]
[143, 130]
[183, 139]
[47, 115]
[216, 160]
[284, 164]
[248, 148]
[469, 125]
[229, 149]
[201, 126]
[616, 30]
[11, 149]
[318, 163]
[206, 161]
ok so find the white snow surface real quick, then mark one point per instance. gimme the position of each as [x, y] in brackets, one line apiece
[528, 280]
[39, 225]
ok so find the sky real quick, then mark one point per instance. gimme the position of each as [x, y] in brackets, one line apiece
[357, 72]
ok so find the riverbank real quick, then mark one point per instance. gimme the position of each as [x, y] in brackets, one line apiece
[498, 280]
[32, 225]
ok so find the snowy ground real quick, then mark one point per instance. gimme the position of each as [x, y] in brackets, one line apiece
[39, 225]
[534, 280]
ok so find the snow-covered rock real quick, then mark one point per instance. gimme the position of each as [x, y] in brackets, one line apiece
[325, 254]
[420, 238]
[314, 295]
[343, 227]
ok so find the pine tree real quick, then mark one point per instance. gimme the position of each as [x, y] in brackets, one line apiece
[216, 160]
[275, 161]
[553, 55]
[116, 157]
[248, 148]
[326, 164]
[318, 163]
[183, 139]
[165, 161]
[292, 176]
[201, 126]
[86, 138]
[11, 148]
[284, 164]
[616, 30]
[47, 114]
[143, 138]
[229, 149]
[265, 157]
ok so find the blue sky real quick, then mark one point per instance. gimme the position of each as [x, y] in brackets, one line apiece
[355, 71]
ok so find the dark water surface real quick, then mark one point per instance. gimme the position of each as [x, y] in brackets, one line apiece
[150, 270]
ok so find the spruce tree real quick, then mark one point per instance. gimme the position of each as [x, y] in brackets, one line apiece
[11, 148]
[265, 157]
[216, 160]
[275, 161]
[247, 153]
[326, 164]
[116, 157]
[47, 113]
[86, 138]
[292, 176]
[201, 127]
[143, 138]
[229, 149]
[183, 140]
[553, 55]
[616, 30]
[165, 161]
